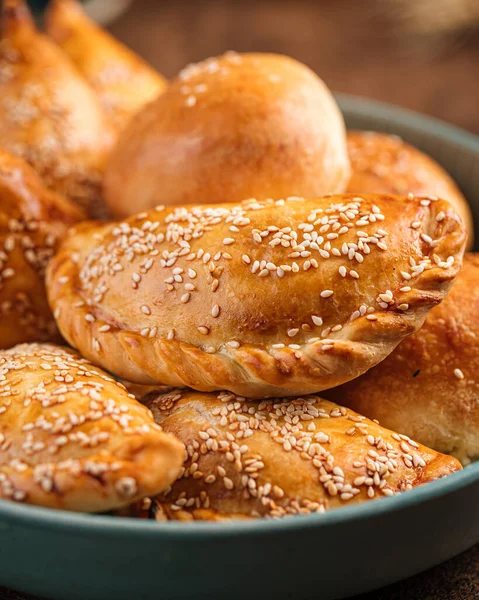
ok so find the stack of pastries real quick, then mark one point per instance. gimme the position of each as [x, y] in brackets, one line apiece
[266, 276]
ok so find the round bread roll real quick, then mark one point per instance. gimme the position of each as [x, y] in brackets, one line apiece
[282, 457]
[428, 387]
[383, 163]
[32, 221]
[123, 82]
[271, 298]
[230, 128]
[72, 438]
[49, 115]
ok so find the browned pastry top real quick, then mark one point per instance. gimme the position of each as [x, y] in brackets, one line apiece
[71, 437]
[262, 298]
[49, 115]
[32, 221]
[122, 80]
[428, 387]
[229, 128]
[283, 457]
[383, 163]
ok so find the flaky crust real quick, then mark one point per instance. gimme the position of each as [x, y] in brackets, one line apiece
[385, 164]
[33, 220]
[283, 457]
[229, 128]
[73, 438]
[123, 82]
[241, 297]
[428, 387]
[49, 115]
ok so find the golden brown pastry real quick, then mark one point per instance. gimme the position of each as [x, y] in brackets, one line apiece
[48, 114]
[122, 80]
[232, 127]
[33, 220]
[385, 164]
[72, 438]
[283, 457]
[428, 387]
[269, 298]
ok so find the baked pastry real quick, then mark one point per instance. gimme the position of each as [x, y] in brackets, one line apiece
[232, 127]
[385, 164]
[33, 220]
[283, 457]
[271, 298]
[428, 387]
[122, 80]
[48, 114]
[73, 438]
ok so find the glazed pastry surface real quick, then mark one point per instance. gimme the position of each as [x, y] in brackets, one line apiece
[232, 127]
[123, 82]
[33, 220]
[270, 298]
[49, 115]
[383, 163]
[428, 387]
[280, 457]
[72, 438]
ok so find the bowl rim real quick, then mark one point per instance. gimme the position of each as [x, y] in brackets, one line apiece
[400, 116]
[12, 514]
[54, 520]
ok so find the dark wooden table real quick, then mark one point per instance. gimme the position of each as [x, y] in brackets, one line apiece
[356, 47]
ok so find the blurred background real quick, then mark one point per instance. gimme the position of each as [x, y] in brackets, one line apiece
[420, 54]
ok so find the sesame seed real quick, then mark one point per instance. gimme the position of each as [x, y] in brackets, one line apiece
[184, 298]
[426, 238]
[458, 373]
[145, 310]
[318, 321]
[326, 293]
[228, 241]
[203, 329]
[215, 311]
[292, 332]
[228, 483]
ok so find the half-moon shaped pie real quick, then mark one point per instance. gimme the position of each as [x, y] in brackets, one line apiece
[271, 298]
[228, 128]
[122, 80]
[282, 457]
[33, 220]
[49, 115]
[71, 437]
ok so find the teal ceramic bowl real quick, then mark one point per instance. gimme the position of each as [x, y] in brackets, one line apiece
[351, 550]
